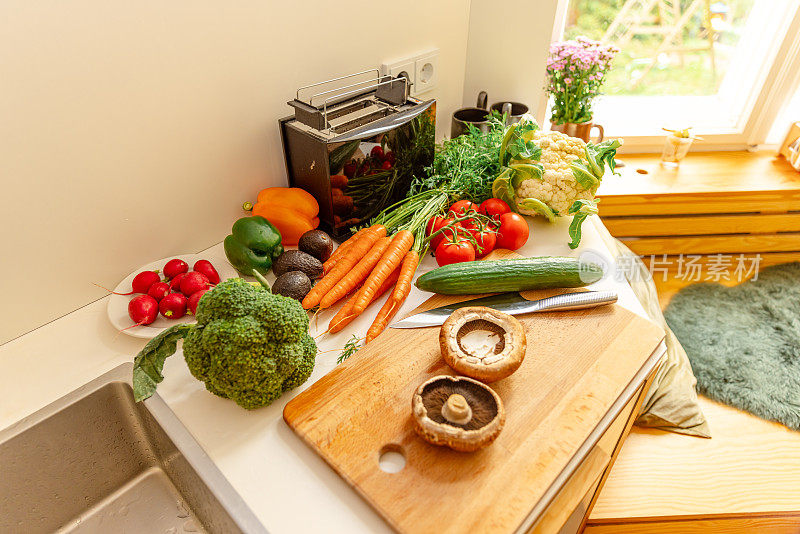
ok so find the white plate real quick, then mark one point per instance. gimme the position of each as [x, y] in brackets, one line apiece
[118, 304]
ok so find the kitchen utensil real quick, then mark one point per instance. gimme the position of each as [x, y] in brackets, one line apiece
[339, 120]
[117, 308]
[512, 303]
[513, 110]
[568, 407]
[477, 117]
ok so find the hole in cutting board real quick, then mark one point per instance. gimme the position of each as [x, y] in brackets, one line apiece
[391, 459]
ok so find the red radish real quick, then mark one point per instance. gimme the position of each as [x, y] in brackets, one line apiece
[377, 153]
[159, 290]
[194, 300]
[387, 165]
[193, 282]
[175, 283]
[143, 309]
[175, 267]
[141, 283]
[173, 306]
[205, 267]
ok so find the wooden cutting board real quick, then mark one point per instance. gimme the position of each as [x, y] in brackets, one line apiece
[576, 366]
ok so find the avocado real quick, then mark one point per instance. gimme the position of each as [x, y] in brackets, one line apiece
[297, 260]
[317, 243]
[294, 284]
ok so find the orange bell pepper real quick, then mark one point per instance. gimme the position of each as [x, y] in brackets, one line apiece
[291, 197]
[292, 210]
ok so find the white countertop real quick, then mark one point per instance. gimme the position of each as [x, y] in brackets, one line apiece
[288, 487]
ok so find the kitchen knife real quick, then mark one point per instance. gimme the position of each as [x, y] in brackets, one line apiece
[513, 304]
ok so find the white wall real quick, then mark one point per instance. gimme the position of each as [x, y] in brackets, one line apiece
[130, 131]
[507, 50]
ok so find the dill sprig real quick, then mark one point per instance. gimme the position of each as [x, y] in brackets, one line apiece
[350, 348]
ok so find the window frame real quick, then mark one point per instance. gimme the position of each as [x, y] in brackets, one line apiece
[777, 84]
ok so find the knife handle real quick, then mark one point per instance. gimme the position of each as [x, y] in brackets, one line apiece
[577, 301]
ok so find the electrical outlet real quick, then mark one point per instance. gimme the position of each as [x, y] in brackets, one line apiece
[395, 68]
[426, 71]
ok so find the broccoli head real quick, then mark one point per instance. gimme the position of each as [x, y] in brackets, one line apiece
[248, 346]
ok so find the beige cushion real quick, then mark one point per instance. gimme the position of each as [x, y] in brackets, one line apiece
[671, 403]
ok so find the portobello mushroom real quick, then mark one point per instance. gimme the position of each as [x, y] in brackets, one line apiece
[488, 363]
[457, 412]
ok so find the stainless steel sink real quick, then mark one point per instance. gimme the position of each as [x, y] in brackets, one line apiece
[96, 461]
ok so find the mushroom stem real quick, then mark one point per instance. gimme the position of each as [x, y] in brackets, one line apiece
[456, 410]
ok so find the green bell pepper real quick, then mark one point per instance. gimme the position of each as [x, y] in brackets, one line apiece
[254, 244]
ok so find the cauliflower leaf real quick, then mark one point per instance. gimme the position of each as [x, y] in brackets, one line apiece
[580, 210]
[536, 205]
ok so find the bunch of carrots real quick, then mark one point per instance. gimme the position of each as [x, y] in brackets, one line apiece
[374, 260]
[385, 255]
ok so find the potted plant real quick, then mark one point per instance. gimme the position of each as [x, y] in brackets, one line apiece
[576, 71]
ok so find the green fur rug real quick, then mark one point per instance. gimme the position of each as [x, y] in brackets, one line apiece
[744, 341]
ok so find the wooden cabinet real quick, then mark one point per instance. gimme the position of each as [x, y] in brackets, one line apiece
[570, 508]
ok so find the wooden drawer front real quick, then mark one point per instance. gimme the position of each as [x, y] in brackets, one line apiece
[621, 227]
[587, 477]
[700, 203]
[715, 244]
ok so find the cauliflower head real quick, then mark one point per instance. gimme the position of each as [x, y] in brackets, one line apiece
[557, 187]
[248, 345]
[551, 174]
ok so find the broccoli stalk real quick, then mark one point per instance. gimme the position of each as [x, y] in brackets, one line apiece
[248, 345]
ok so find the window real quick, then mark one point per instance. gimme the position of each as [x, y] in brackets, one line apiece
[714, 65]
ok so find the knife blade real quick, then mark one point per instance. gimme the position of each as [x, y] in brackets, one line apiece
[513, 304]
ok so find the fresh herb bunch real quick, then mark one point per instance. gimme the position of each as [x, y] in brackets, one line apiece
[464, 166]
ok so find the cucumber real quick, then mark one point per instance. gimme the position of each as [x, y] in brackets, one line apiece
[497, 276]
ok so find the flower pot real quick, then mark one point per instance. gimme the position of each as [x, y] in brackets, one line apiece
[581, 130]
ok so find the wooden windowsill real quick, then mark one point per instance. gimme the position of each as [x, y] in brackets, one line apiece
[702, 172]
